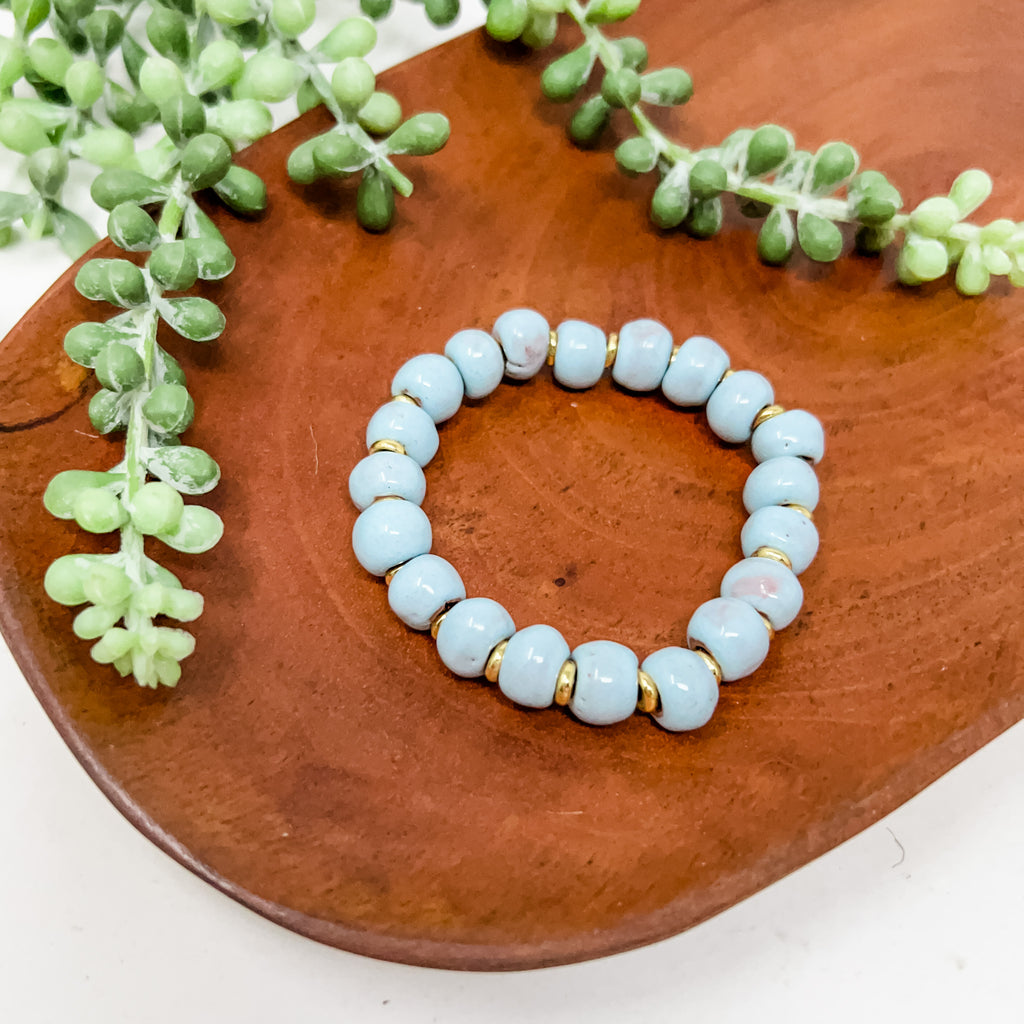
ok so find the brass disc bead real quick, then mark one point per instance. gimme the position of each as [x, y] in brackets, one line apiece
[566, 683]
[766, 414]
[716, 669]
[387, 445]
[613, 348]
[552, 346]
[649, 700]
[493, 666]
[773, 553]
[801, 509]
[405, 398]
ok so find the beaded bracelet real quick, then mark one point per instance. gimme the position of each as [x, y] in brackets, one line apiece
[601, 682]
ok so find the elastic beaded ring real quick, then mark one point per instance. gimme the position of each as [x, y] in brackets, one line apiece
[601, 682]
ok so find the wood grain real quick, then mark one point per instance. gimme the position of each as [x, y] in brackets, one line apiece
[317, 763]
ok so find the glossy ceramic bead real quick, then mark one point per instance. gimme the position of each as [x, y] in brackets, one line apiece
[389, 533]
[530, 666]
[386, 473]
[782, 481]
[768, 586]
[695, 371]
[524, 336]
[407, 424]
[733, 634]
[434, 381]
[580, 354]
[687, 688]
[793, 432]
[606, 683]
[784, 529]
[469, 632]
[645, 348]
[479, 360]
[735, 402]
[421, 588]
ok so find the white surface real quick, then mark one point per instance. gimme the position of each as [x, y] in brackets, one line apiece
[915, 919]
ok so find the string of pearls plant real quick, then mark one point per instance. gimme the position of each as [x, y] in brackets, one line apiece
[197, 78]
[801, 198]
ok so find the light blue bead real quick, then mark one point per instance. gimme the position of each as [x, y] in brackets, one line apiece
[479, 360]
[606, 688]
[784, 529]
[434, 381]
[469, 632]
[732, 633]
[384, 473]
[768, 586]
[524, 336]
[580, 354]
[793, 432]
[687, 688]
[421, 588]
[645, 348]
[782, 481]
[407, 424]
[389, 533]
[695, 371]
[530, 666]
[735, 402]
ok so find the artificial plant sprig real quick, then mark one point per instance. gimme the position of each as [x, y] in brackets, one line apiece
[802, 198]
[144, 393]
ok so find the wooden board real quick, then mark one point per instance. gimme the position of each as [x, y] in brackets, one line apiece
[317, 763]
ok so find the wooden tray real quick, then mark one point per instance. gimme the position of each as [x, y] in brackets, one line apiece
[317, 763]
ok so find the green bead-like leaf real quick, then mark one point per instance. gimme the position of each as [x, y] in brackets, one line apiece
[241, 122]
[131, 228]
[972, 277]
[219, 64]
[98, 511]
[48, 170]
[302, 166]
[60, 494]
[621, 88]
[205, 160]
[84, 83]
[871, 241]
[507, 19]
[268, 77]
[160, 79]
[776, 237]
[119, 367]
[668, 87]
[198, 530]
[540, 30]
[169, 408]
[21, 131]
[935, 216]
[116, 281]
[167, 30]
[705, 217]
[352, 83]
[633, 52]
[671, 200]
[50, 59]
[707, 179]
[242, 190]
[420, 135]
[65, 579]
[183, 117]
[85, 341]
[292, 17]
[352, 37]
[375, 201]
[636, 156]
[769, 148]
[970, 190]
[562, 79]
[819, 238]
[380, 114]
[156, 508]
[188, 470]
[834, 164]
[589, 121]
[873, 200]
[104, 29]
[922, 259]
[214, 259]
[173, 266]
[119, 185]
[605, 12]
[441, 12]
[335, 153]
[192, 317]
[107, 412]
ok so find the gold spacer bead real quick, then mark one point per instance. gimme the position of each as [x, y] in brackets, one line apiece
[387, 497]
[613, 348]
[403, 397]
[387, 445]
[493, 666]
[435, 622]
[728, 373]
[768, 625]
[766, 414]
[774, 553]
[716, 669]
[675, 352]
[390, 574]
[801, 509]
[648, 700]
[565, 683]
[552, 345]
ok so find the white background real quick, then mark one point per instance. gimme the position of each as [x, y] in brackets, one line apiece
[917, 918]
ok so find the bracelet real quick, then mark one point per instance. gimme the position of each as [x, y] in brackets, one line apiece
[601, 682]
